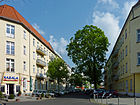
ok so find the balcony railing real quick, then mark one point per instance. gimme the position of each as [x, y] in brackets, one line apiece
[41, 76]
[40, 62]
[41, 51]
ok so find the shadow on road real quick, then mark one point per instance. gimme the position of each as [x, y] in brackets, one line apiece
[75, 95]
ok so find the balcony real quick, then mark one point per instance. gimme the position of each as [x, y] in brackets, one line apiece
[40, 62]
[41, 51]
[39, 75]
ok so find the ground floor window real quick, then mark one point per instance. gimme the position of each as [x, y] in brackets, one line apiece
[2, 88]
[130, 84]
[24, 84]
[17, 88]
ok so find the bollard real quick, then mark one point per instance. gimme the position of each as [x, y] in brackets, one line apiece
[134, 100]
[118, 101]
[106, 101]
[101, 100]
[97, 98]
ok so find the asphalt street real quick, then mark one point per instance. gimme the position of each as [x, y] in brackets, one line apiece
[72, 99]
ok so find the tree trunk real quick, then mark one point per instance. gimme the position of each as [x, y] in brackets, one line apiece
[94, 73]
[58, 85]
[95, 81]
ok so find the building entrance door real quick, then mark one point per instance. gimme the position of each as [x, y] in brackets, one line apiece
[10, 89]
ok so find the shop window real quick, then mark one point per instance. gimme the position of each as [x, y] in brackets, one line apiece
[2, 88]
[24, 84]
[17, 88]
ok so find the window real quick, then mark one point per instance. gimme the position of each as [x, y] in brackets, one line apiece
[123, 54]
[138, 35]
[24, 34]
[37, 44]
[10, 31]
[33, 55]
[10, 65]
[33, 42]
[37, 70]
[2, 88]
[17, 88]
[126, 85]
[130, 84]
[126, 67]
[24, 65]
[125, 33]
[138, 57]
[10, 48]
[126, 51]
[24, 84]
[123, 69]
[34, 68]
[24, 50]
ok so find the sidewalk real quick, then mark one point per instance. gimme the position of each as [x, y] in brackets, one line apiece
[114, 101]
[23, 99]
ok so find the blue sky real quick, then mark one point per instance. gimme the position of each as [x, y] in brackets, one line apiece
[58, 20]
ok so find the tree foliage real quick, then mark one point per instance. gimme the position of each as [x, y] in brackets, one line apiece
[57, 70]
[87, 49]
[77, 79]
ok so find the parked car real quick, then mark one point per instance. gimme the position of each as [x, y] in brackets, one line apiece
[114, 93]
[107, 94]
[35, 92]
[98, 93]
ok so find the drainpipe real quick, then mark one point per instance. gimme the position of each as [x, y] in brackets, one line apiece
[134, 85]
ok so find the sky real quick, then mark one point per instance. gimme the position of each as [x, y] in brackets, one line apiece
[58, 20]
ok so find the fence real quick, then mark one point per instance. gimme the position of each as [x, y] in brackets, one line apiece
[118, 100]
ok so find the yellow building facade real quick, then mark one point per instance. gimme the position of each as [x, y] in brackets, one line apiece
[122, 70]
[24, 55]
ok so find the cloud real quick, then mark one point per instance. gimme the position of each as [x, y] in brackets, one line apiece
[109, 24]
[37, 27]
[127, 7]
[113, 3]
[59, 45]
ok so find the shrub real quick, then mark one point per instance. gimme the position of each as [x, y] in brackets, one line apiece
[1, 95]
[19, 93]
[11, 96]
[42, 95]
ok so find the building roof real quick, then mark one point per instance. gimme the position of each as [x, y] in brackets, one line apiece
[10, 13]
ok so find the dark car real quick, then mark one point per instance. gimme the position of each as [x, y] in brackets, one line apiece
[107, 94]
[114, 93]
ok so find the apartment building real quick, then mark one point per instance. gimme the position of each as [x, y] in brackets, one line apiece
[24, 54]
[122, 70]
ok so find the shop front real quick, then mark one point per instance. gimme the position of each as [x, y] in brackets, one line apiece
[10, 84]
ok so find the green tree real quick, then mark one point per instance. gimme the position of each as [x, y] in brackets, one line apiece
[87, 49]
[57, 70]
[77, 79]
